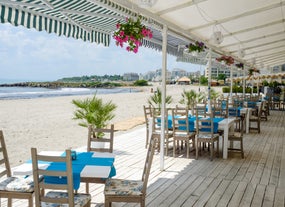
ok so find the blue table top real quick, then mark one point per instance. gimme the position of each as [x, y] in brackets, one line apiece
[83, 159]
[192, 120]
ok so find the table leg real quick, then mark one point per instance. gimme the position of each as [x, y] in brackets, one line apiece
[225, 147]
[247, 121]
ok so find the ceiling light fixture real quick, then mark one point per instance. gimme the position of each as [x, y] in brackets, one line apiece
[241, 53]
[146, 3]
[217, 36]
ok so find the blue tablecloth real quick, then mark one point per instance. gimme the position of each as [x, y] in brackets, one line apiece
[83, 159]
[232, 111]
[192, 126]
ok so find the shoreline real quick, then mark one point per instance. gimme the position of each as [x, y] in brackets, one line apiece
[46, 123]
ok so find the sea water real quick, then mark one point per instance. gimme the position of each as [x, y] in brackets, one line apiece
[31, 92]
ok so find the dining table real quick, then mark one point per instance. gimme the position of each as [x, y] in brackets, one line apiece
[92, 167]
[224, 124]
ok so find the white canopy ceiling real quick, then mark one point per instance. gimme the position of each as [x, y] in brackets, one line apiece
[255, 26]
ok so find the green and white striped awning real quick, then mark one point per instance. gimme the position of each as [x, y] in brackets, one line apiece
[87, 20]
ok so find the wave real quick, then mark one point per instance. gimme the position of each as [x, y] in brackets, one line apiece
[28, 92]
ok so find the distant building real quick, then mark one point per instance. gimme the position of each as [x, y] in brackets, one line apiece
[183, 81]
[216, 71]
[130, 77]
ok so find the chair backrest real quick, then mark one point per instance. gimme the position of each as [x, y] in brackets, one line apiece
[100, 136]
[4, 160]
[41, 186]
[148, 162]
[147, 113]
[180, 121]
[200, 109]
[156, 125]
[205, 125]
[181, 111]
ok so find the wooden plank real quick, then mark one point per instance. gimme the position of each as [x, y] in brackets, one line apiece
[216, 196]
[228, 194]
[208, 192]
[238, 194]
[279, 199]
[258, 196]
[268, 199]
[248, 195]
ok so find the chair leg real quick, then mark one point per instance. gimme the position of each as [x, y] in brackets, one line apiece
[197, 149]
[147, 135]
[31, 202]
[218, 147]
[188, 148]
[174, 147]
[87, 187]
[9, 202]
[241, 148]
[211, 150]
[107, 203]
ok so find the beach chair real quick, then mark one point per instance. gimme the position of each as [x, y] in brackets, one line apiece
[13, 187]
[130, 191]
[53, 194]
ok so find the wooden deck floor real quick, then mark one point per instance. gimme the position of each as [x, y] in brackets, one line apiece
[257, 180]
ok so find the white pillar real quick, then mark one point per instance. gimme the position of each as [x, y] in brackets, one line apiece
[209, 79]
[243, 84]
[163, 94]
[231, 89]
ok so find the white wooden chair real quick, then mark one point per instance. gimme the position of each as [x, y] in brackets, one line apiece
[47, 194]
[181, 130]
[148, 116]
[104, 143]
[105, 136]
[205, 133]
[130, 191]
[13, 187]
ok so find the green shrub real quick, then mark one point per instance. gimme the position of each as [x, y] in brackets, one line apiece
[140, 83]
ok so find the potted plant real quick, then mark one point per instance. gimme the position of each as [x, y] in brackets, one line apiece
[239, 65]
[252, 70]
[92, 111]
[155, 100]
[132, 33]
[228, 60]
[191, 98]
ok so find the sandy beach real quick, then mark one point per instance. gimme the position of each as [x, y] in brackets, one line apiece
[46, 123]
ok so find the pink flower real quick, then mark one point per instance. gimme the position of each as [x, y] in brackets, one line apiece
[128, 49]
[136, 50]
[118, 25]
[122, 33]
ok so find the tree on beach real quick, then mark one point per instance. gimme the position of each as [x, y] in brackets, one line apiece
[156, 99]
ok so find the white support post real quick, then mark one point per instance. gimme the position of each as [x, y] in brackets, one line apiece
[209, 80]
[163, 95]
[231, 89]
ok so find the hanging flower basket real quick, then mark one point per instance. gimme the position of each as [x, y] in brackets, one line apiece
[132, 33]
[195, 48]
[253, 70]
[239, 65]
[228, 60]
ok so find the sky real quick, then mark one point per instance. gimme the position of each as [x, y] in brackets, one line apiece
[27, 54]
